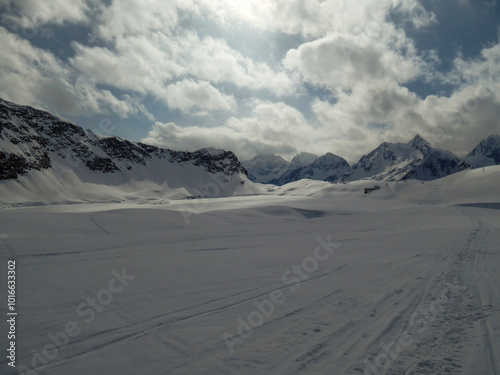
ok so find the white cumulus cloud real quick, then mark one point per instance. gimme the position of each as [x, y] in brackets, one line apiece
[187, 94]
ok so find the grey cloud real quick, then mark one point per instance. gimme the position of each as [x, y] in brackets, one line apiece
[29, 14]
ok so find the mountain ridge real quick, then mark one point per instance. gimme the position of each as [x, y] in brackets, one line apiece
[264, 168]
[328, 167]
[32, 140]
[400, 161]
[60, 155]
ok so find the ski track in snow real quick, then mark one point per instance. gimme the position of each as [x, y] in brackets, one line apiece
[428, 273]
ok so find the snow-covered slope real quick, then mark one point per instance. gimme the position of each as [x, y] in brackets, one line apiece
[330, 282]
[44, 158]
[467, 186]
[266, 167]
[487, 152]
[401, 161]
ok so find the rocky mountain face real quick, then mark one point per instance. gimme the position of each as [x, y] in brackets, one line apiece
[416, 159]
[265, 168]
[33, 140]
[486, 153]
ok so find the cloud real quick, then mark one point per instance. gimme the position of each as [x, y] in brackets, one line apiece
[141, 50]
[147, 39]
[30, 14]
[471, 112]
[347, 121]
[415, 13]
[346, 61]
[187, 94]
[315, 18]
[25, 71]
[132, 18]
[150, 63]
[354, 44]
[138, 63]
[349, 64]
[457, 122]
[272, 128]
[484, 70]
[33, 76]
[126, 18]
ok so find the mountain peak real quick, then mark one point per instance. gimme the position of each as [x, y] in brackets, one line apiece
[211, 151]
[493, 138]
[418, 141]
[487, 152]
[400, 161]
[265, 167]
[302, 159]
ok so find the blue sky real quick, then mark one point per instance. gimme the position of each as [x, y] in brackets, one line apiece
[260, 76]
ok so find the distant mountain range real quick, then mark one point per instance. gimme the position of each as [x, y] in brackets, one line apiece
[416, 159]
[328, 167]
[43, 156]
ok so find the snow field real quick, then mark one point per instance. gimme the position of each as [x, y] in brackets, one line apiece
[411, 288]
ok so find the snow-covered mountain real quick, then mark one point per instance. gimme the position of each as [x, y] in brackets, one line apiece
[486, 153]
[328, 167]
[293, 171]
[265, 168]
[301, 160]
[416, 159]
[45, 157]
